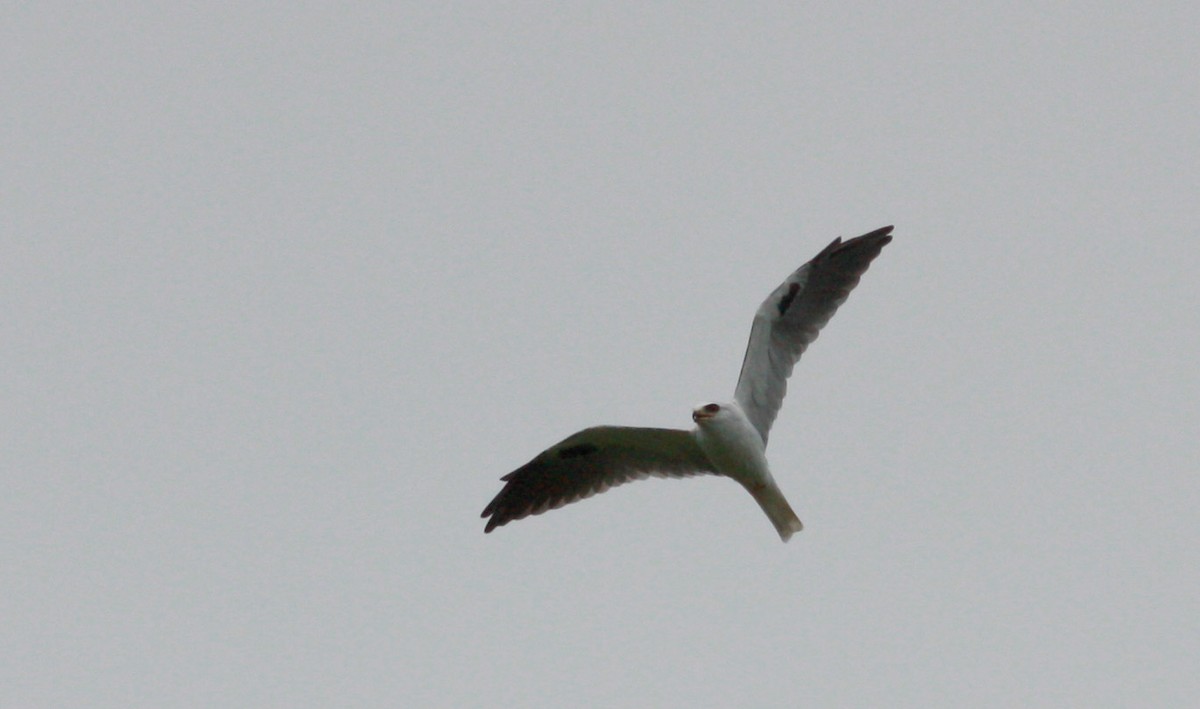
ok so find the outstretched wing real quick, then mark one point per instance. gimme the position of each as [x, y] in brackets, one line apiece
[790, 319]
[590, 462]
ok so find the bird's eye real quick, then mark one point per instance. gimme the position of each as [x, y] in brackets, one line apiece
[711, 408]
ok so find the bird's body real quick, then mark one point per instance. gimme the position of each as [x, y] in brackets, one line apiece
[730, 438]
[736, 450]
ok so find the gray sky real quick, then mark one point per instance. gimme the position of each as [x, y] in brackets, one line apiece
[287, 290]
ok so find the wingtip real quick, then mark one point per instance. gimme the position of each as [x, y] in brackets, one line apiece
[883, 233]
[493, 521]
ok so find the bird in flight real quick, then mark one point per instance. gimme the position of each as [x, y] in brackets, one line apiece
[730, 438]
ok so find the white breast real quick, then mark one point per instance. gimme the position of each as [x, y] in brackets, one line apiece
[733, 445]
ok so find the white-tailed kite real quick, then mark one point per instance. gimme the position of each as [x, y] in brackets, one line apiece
[730, 438]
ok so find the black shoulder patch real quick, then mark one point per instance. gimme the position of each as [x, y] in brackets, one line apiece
[577, 450]
[786, 301]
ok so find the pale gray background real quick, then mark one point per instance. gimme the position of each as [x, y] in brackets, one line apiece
[287, 288]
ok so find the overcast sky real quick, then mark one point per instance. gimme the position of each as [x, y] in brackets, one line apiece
[286, 290]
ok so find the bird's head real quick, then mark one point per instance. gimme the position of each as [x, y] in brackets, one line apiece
[707, 412]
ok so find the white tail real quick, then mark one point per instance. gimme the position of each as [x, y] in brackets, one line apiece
[770, 498]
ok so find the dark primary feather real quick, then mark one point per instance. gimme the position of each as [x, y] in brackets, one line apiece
[590, 462]
[792, 317]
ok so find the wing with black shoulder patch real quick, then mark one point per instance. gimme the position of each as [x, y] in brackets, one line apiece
[590, 462]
